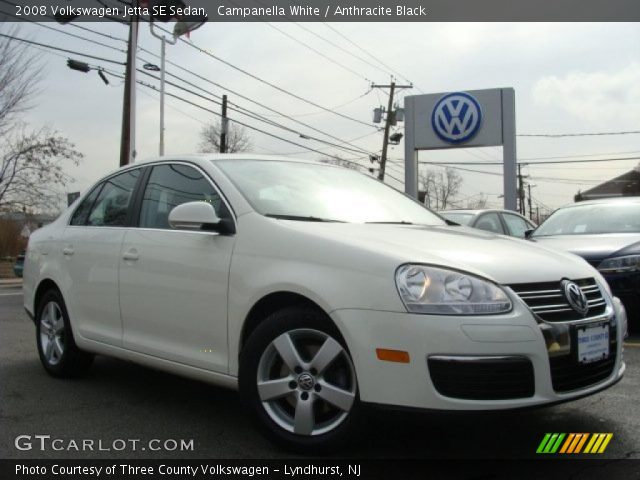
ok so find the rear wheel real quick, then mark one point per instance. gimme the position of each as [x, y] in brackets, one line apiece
[297, 378]
[58, 352]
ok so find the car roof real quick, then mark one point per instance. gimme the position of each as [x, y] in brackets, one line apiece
[215, 157]
[477, 211]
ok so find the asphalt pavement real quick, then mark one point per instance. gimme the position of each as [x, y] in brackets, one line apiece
[122, 402]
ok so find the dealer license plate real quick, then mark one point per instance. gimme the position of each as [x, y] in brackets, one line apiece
[593, 343]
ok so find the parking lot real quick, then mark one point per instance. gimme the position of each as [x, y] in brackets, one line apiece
[119, 400]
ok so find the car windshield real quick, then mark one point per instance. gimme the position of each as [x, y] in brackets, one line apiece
[458, 217]
[316, 192]
[623, 217]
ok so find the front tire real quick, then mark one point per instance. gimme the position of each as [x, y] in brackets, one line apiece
[297, 379]
[57, 349]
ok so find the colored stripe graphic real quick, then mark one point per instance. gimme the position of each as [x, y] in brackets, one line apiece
[574, 443]
[550, 443]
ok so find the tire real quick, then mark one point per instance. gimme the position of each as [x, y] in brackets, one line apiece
[57, 349]
[301, 400]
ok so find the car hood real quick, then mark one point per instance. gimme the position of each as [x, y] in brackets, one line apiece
[593, 247]
[499, 258]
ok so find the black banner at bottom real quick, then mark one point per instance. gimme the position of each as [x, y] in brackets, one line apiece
[347, 469]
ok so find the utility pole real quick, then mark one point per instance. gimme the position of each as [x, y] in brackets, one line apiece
[387, 126]
[521, 207]
[530, 207]
[128, 135]
[224, 126]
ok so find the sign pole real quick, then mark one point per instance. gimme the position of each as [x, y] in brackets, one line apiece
[509, 148]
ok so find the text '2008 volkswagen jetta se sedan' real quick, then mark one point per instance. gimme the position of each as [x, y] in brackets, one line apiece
[313, 289]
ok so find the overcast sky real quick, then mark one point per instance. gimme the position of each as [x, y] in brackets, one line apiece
[568, 78]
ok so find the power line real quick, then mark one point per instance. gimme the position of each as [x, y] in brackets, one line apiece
[550, 162]
[36, 45]
[250, 114]
[369, 54]
[339, 47]
[69, 34]
[30, 42]
[581, 155]
[591, 134]
[265, 82]
[245, 98]
[326, 57]
[185, 81]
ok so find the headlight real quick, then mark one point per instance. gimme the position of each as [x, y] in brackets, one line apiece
[629, 263]
[438, 291]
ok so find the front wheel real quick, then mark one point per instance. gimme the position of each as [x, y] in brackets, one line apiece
[298, 380]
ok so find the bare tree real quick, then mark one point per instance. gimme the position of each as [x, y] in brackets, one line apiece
[440, 187]
[31, 161]
[338, 160]
[20, 72]
[31, 169]
[238, 139]
[479, 202]
[428, 184]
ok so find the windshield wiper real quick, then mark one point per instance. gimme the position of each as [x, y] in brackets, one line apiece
[401, 222]
[301, 218]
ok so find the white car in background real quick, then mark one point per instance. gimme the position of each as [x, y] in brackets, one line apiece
[313, 289]
[503, 222]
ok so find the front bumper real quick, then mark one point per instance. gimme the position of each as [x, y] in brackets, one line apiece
[516, 334]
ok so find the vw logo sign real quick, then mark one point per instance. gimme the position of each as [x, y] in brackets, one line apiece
[575, 296]
[456, 117]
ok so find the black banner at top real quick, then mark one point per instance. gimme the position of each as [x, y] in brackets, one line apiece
[324, 10]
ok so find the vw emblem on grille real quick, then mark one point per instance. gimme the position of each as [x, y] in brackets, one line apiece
[456, 117]
[306, 381]
[575, 296]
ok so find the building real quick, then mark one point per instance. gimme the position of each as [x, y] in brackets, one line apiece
[627, 184]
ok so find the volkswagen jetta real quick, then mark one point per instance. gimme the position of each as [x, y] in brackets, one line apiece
[313, 289]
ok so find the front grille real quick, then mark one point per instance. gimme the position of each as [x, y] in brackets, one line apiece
[568, 374]
[548, 302]
[477, 378]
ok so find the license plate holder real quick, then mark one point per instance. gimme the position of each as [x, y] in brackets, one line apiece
[593, 342]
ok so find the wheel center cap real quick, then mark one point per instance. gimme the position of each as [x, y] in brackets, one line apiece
[306, 381]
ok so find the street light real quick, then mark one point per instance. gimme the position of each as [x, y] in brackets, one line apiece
[86, 68]
[181, 28]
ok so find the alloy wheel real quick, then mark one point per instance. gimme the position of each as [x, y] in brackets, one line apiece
[52, 333]
[306, 382]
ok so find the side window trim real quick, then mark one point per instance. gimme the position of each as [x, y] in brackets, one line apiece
[98, 189]
[133, 219]
[143, 185]
[100, 185]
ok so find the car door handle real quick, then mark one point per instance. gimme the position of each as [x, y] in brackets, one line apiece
[68, 251]
[130, 255]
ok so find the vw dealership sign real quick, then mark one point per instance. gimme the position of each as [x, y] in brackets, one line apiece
[456, 117]
[478, 118]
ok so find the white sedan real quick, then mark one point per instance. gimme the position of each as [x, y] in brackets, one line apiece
[313, 289]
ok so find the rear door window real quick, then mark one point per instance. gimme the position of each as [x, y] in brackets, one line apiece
[112, 205]
[489, 222]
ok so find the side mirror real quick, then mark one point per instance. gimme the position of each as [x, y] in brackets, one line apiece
[528, 233]
[194, 216]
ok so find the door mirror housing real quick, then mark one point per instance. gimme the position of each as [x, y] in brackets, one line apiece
[195, 216]
[528, 233]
